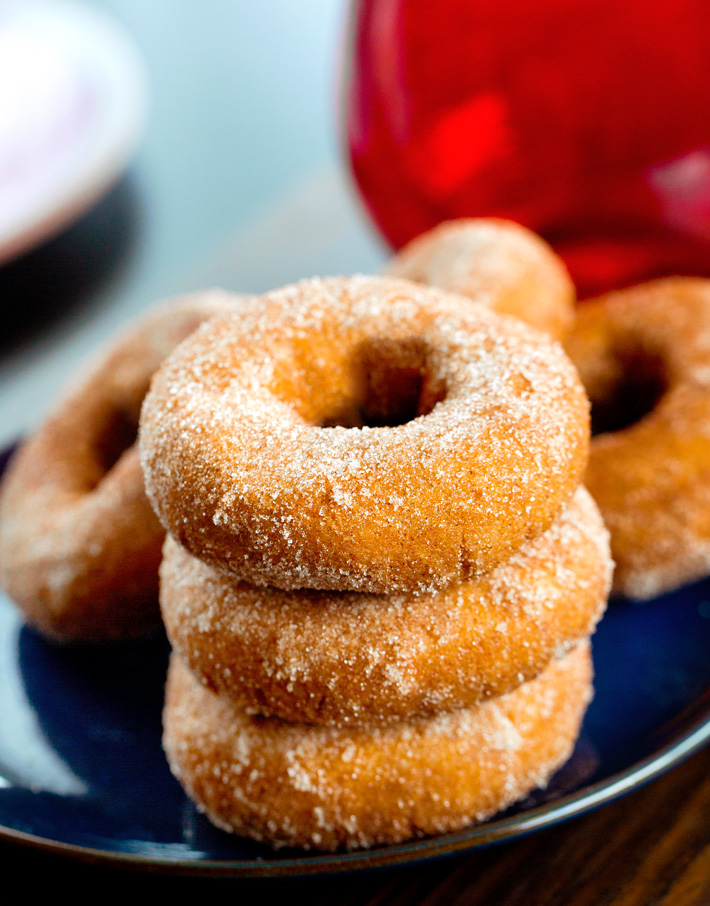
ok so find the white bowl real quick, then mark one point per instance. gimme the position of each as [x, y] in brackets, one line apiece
[73, 102]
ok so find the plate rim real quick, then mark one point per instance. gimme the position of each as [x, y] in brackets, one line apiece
[564, 808]
[687, 740]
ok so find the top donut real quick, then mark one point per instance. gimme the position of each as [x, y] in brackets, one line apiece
[364, 434]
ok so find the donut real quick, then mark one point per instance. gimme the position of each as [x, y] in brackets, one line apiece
[79, 544]
[362, 434]
[333, 788]
[644, 356]
[337, 658]
[497, 263]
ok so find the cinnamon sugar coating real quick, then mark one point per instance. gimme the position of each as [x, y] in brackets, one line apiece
[328, 788]
[343, 658]
[496, 263]
[362, 434]
[79, 543]
[644, 353]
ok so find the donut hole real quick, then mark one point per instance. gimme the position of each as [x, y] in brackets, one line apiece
[395, 384]
[118, 433]
[633, 392]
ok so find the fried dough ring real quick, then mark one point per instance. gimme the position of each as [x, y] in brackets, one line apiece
[339, 658]
[649, 347]
[79, 544]
[245, 471]
[328, 788]
[496, 263]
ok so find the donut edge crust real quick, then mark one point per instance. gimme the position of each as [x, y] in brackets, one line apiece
[338, 658]
[651, 480]
[329, 789]
[80, 549]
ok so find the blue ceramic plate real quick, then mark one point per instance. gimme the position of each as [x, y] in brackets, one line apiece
[82, 770]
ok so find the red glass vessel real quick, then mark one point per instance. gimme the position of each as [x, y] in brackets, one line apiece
[586, 120]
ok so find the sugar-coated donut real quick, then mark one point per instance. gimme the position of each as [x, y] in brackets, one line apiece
[79, 544]
[644, 357]
[342, 657]
[362, 434]
[333, 788]
[497, 263]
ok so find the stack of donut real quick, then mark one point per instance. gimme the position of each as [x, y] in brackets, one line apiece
[381, 569]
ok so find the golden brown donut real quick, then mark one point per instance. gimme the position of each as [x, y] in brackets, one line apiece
[328, 788]
[644, 357]
[340, 658]
[362, 434]
[497, 263]
[79, 544]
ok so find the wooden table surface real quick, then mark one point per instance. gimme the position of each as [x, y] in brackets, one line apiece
[651, 847]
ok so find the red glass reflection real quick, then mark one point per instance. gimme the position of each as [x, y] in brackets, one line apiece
[586, 120]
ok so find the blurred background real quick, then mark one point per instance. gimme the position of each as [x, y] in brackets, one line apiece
[234, 176]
